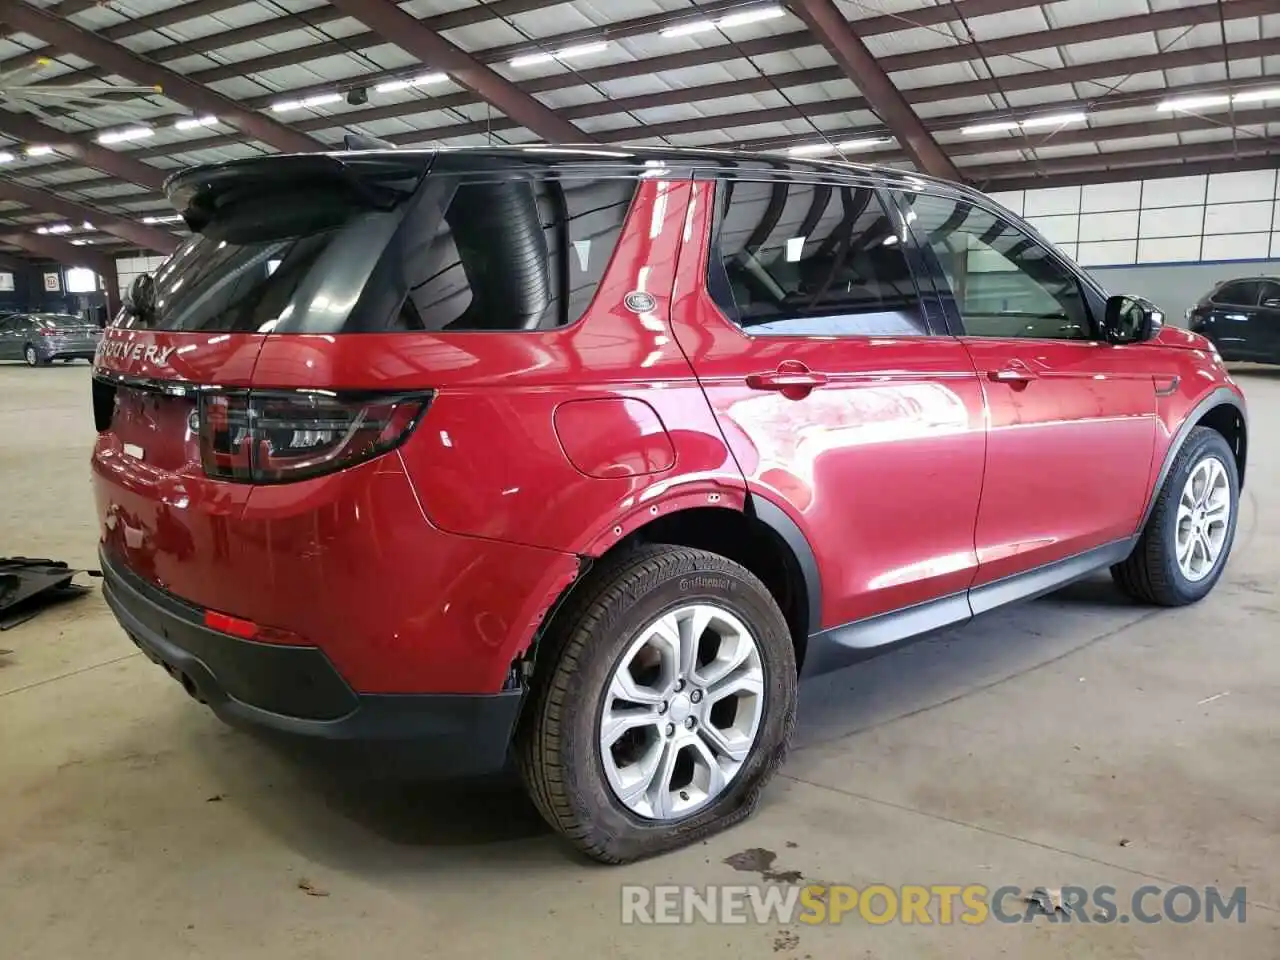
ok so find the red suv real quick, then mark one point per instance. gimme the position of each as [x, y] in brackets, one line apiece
[585, 456]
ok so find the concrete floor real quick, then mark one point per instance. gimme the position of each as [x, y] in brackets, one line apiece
[1020, 750]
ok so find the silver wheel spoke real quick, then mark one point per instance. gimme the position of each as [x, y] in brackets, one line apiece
[712, 776]
[624, 687]
[727, 743]
[615, 723]
[659, 793]
[634, 787]
[692, 626]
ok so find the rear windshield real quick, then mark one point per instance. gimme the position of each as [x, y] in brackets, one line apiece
[58, 320]
[243, 271]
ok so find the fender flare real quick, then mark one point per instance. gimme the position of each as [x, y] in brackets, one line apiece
[786, 529]
[1220, 396]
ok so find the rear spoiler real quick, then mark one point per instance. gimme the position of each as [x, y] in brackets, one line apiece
[373, 177]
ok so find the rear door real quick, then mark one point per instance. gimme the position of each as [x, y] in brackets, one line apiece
[842, 398]
[1071, 419]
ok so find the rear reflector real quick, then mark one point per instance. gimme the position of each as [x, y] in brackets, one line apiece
[277, 436]
[235, 626]
[248, 630]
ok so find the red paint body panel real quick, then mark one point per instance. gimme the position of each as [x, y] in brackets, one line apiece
[1069, 450]
[881, 467]
[347, 562]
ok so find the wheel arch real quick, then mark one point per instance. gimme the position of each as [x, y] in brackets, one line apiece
[1222, 411]
[760, 536]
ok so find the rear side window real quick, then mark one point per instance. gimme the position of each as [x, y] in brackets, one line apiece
[1240, 293]
[802, 259]
[518, 254]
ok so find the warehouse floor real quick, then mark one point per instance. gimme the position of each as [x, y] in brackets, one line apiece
[1078, 740]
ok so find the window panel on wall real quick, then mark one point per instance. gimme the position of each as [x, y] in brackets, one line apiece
[1238, 217]
[1119, 225]
[1103, 197]
[1010, 200]
[1169, 250]
[1172, 222]
[1240, 246]
[1058, 230]
[1242, 186]
[1173, 192]
[1108, 252]
[1275, 245]
[1050, 201]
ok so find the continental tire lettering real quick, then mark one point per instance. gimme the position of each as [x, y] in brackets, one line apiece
[705, 583]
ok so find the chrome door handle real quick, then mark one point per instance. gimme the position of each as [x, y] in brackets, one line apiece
[1011, 375]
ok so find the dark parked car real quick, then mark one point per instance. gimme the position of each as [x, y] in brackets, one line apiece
[41, 338]
[1242, 318]
[594, 454]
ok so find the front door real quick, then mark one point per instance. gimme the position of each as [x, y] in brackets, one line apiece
[841, 399]
[1071, 419]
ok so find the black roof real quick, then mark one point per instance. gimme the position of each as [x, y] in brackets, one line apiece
[566, 156]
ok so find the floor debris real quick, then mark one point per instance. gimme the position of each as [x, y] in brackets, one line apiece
[28, 585]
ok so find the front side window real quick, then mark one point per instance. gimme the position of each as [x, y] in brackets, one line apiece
[1241, 293]
[1005, 282]
[803, 259]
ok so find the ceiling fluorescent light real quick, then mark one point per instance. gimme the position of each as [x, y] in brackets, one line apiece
[1194, 103]
[171, 218]
[689, 28]
[123, 136]
[39, 150]
[849, 145]
[391, 86]
[724, 23]
[812, 149]
[1255, 96]
[319, 100]
[581, 50]
[995, 127]
[751, 16]
[6, 157]
[191, 123]
[1053, 120]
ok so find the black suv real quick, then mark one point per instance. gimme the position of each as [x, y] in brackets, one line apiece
[1242, 318]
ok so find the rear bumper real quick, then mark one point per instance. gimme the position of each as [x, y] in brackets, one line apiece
[293, 695]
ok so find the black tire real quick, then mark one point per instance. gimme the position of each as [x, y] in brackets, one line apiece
[33, 358]
[557, 740]
[1151, 573]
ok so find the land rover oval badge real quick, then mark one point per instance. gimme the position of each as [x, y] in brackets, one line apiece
[637, 301]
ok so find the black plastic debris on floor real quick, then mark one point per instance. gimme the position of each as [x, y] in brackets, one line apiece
[29, 585]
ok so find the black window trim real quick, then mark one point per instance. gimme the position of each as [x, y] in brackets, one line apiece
[1092, 293]
[714, 273]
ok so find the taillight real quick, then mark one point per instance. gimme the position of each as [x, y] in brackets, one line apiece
[277, 436]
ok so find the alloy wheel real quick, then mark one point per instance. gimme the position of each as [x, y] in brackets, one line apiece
[1204, 514]
[681, 712]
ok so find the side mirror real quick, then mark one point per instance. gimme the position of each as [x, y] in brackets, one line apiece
[1131, 319]
[140, 301]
